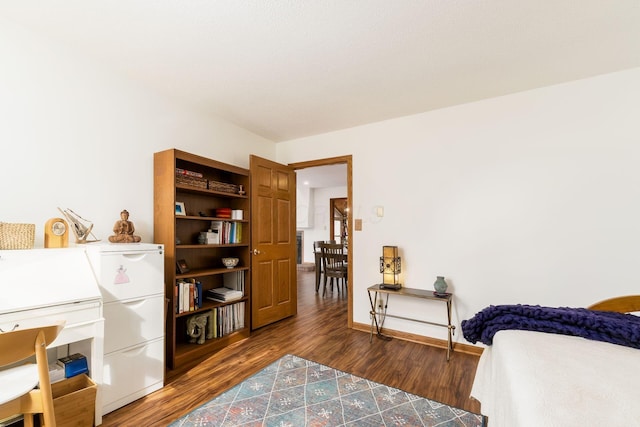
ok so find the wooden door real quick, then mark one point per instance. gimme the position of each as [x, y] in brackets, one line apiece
[273, 241]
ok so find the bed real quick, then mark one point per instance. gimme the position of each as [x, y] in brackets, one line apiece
[531, 378]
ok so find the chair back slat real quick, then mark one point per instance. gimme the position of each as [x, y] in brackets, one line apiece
[19, 344]
[333, 255]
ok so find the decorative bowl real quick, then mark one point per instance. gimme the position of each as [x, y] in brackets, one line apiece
[230, 262]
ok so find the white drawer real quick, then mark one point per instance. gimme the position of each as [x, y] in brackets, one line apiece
[75, 317]
[131, 322]
[129, 274]
[132, 373]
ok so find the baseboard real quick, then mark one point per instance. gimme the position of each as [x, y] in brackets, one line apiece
[421, 339]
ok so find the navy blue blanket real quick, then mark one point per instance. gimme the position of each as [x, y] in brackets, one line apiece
[615, 328]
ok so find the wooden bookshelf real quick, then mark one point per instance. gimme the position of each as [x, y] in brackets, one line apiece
[179, 234]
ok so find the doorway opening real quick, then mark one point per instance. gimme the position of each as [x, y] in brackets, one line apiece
[348, 221]
[339, 212]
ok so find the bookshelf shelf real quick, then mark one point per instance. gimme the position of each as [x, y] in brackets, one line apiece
[200, 209]
[209, 272]
[187, 352]
[209, 304]
[194, 190]
[200, 246]
[207, 218]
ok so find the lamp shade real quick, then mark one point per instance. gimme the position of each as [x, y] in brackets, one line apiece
[390, 267]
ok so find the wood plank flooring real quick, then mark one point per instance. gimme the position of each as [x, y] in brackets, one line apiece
[317, 333]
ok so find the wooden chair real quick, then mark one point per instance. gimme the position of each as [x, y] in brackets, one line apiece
[17, 390]
[625, 304]
[334, 264]
[317, 253]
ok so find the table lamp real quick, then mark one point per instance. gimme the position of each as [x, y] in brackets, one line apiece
[390, 267]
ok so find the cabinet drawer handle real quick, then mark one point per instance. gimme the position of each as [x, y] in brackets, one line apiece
[135, 351]
[135, 257]
[137, 302]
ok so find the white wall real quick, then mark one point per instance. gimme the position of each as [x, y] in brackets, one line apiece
[76, 136]
[529, 198]
[321, 218]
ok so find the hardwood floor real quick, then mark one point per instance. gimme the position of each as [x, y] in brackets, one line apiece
[317, 333]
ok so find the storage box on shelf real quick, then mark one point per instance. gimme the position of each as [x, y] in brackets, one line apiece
[187, 238]
[74, 401]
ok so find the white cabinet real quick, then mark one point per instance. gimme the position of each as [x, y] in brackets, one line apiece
[131, 280]
[41, 286]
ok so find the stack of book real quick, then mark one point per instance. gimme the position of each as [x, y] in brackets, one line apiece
[234, 280]
[223, 294]
[223, 212]
[188, 295]
[227, 232]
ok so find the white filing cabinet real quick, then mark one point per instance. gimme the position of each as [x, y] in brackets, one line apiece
[131, 279]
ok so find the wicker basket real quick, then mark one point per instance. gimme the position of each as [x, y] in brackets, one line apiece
[191, 181]
[223, 187]
[17, 236]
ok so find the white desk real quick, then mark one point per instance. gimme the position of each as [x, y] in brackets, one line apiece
[38, 286]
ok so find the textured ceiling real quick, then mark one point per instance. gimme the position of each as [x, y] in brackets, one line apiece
[288, 69]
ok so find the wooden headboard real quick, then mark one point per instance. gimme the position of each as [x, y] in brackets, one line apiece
[626, 304]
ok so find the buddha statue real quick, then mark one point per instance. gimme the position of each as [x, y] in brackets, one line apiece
[124, 230]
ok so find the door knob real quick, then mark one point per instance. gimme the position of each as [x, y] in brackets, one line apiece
[256, 252]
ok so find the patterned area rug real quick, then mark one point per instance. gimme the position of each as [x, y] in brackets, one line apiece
[297, 392]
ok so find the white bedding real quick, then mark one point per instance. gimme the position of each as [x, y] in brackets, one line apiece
[547, 380]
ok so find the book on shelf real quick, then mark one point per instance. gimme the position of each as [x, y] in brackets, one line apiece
[224, 294]
[234, 280]
[229, 318]
[210, 237]
[228, 231]
[188, 295]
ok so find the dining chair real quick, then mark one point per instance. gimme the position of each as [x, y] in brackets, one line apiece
[317, 254]
[18, 394]
[335, 265]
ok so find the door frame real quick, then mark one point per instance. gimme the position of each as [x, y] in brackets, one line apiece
[333, 202]
[348, 160]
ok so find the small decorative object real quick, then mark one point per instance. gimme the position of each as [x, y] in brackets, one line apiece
[440, 286]
[180, 210]
[80, 226]
[390, 267]
[121, 276]
[241, 190]
[123, 230]
[17, 236]
[230, 262]
[182, 266]
[223, 213]
[56, 233]
[200, 326]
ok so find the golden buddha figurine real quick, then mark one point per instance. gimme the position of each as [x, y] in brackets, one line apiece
[124, 230]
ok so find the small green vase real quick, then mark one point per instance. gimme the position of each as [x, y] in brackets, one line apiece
[440, 285]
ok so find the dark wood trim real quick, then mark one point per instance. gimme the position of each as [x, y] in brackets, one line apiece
[348, 160]
[421, 339]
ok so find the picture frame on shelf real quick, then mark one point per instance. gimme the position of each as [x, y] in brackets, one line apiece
[180, 209]
[182, 266]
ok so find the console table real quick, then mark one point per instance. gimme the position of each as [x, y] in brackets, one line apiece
[373, 292]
